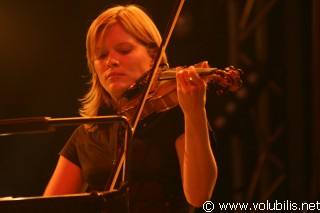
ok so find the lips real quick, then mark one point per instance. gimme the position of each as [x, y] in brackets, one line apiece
[114, 74]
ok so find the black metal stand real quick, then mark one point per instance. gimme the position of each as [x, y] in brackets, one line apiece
[113, 201]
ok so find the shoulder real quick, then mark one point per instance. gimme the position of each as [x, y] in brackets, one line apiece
[162, 124]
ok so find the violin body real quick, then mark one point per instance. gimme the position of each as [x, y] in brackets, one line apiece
[163, 94]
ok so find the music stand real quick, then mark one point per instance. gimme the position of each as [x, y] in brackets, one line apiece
[115, 200]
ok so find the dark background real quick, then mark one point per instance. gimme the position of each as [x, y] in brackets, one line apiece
[267, 132]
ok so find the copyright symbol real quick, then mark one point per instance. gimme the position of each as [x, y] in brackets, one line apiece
[208, 206]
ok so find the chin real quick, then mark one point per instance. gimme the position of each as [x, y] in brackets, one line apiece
[117, 92]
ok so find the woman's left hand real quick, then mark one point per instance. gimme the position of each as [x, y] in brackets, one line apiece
[191, 89]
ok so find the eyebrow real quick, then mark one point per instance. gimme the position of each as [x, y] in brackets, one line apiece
[124, 43]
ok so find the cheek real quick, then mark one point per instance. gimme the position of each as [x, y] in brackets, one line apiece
[99, 69]
[145, 64]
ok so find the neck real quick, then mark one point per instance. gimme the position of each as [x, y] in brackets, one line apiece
[118, 103]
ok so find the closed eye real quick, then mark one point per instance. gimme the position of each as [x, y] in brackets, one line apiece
[124, 48]
[102, 56]
[124, 52]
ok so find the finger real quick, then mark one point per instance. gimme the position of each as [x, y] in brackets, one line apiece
[196, 79]
[205, 64]
[181, 80]
[186, 76]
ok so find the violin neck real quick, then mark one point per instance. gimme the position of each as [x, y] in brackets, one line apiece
[171, 74]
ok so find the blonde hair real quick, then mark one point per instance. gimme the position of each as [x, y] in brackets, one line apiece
[137, 23]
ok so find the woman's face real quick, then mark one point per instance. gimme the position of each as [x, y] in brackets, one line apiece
[120, 61]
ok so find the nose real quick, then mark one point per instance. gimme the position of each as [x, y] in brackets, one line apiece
[112, 62]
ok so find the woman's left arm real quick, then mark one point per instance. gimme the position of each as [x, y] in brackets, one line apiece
[197, 162]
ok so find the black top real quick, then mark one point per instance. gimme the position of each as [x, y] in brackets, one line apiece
[155, 177]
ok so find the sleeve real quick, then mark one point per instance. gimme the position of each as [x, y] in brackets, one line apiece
[69, 151]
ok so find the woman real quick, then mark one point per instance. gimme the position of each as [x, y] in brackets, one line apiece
[173, 164]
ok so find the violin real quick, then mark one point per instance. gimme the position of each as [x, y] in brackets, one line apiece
[163, 94]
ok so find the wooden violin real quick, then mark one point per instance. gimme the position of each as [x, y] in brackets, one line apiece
[163, 95]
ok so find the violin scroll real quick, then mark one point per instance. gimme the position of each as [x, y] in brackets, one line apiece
[226, 80]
